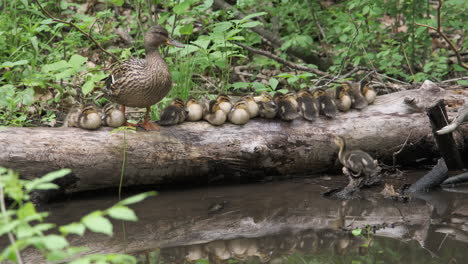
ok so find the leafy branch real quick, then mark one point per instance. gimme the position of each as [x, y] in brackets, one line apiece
[77, 28]
[444, 36]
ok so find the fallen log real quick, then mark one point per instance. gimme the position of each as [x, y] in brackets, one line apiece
[198, 152]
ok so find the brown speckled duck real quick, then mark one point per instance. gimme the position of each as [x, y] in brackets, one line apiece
[143, 82]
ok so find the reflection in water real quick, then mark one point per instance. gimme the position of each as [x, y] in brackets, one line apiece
[283, 222]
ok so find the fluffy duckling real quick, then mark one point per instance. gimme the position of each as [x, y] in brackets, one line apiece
[252, 106]
[263, 97]
[112, 116]
[215, 115]
[308, 105]
[356, 163]
[240, 114]
[224, 103]
[286, 105]
[326, 103]
[341, 97]
[71, 120]
[90, 118]
[358, 100]
[368, 92]
[173, 114]
[195, 110]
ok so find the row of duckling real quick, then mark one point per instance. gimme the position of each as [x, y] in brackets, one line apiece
[91, 117]
[305, 103]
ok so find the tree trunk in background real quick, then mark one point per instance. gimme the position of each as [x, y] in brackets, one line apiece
[198, 152]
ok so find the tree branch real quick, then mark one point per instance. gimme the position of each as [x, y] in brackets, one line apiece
[77, 28]
[281, 60]
[445, 37]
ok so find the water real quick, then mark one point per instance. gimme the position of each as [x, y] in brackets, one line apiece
[283, 222]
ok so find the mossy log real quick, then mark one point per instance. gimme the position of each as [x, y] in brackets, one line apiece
[198, 152]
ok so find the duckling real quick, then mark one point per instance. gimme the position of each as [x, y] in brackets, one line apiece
[90, 117]
[358, 100]
[112, 116]
[263, 97]
[286, 105]
[195, 110]
[215, 115]
[326, 103]
[71, 120]
[341, 97]
[308, 105]
[368, 92]
[240, 114]
[252, 106]
[224, 103]
[174, 114]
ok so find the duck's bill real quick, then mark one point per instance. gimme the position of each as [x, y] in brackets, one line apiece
[174, 43]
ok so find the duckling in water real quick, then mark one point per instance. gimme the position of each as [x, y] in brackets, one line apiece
[326, 103]
[215, 115]
[240, 114]
[286, 105]
[195, 110]
[342, 98]
[112, 116]
[308, 105]
[368, 92]
[224, 103]
[358, 100]
[252, 106]
[174, 114]
[71, 120]
[90, 117]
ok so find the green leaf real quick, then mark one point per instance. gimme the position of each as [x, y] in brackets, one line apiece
[73, 228]
[250, 24]
[47, 186]
[9, 64]
[76, 61]
[97, 223]
[357, 232]
[28, 96]
[87, 87]
[273, 83]
[136, 198]
[56, 66]
[462, 82]
[238, 85]
[222, 27]
[180, 8]
[26, 210]
[53, 242]
[35, 43]
[258, 86]
[186, 29]
[117, 2]
[247, 17]
[122, 213]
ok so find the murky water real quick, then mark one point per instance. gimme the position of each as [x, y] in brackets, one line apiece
[283, 222]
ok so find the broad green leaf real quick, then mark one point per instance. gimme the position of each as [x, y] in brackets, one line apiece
[26, 210]
[76, 61]
[46, 186]
[23, 231]
[35, 43]
[117, 2]
[28, 96]
[238, 85]
[258, 86]
[273, 83]
[247, 17]
[9, 64]
[250, 24]
[462, 82]
[180, 8]
[221, 27]
[136, 198]
[122, 213]
[97, 223]
[53, 242]
[5, 228]
[56, 66]
[186, 29]
[87, 87]
[357, 232]
[73, 228]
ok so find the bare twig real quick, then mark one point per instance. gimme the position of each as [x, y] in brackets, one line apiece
[77, 28]
[445, 37]
[454, 80]
[407, 61]
[5, 220]
[401, 149]
[281, 60]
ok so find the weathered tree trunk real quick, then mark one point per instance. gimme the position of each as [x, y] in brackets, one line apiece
[198, 152]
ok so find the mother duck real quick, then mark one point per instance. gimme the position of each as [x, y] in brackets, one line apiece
[142, 82]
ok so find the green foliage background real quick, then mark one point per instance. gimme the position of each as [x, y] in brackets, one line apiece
[47, 66]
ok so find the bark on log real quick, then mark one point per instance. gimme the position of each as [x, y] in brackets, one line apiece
[198, 152]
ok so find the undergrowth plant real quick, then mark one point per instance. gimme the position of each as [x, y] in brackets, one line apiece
[25, 227]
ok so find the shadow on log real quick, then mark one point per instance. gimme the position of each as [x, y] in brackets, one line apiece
[194, 153]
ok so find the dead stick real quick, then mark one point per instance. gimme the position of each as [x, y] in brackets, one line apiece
[281, 60]
[77, 28]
